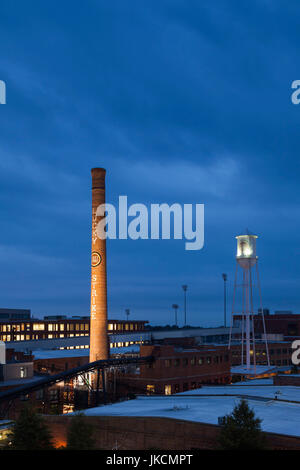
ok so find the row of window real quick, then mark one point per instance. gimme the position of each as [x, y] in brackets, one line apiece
[18, 327]
[176, 387]
[263, 352]
[195, 361]
[6, 328]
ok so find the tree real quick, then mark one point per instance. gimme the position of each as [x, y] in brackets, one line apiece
[30, 432]
[294, 369]
[241, 430]
[80, 435]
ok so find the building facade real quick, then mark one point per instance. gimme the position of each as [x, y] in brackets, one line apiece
[60, 327]
[178, 369]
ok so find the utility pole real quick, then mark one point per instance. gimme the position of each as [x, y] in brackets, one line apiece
[175, 306]
[184, 287]
[225, 280]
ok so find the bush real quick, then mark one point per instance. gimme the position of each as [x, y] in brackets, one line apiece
[241, 430]
[30, 432]
[80, 435]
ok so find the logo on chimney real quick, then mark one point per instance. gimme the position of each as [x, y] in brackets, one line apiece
[96, 259]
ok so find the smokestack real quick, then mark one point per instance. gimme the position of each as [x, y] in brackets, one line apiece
[98, 324]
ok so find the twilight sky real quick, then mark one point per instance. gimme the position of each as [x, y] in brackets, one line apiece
[180, 101]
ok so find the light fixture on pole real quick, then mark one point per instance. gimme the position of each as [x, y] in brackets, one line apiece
[184, 287]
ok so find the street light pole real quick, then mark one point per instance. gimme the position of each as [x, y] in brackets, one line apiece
[225, 280]
[175, 306]
[127, 311]
[184, 290]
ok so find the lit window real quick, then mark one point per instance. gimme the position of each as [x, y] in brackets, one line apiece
[38, 326]
[150, 389]
[23, 372]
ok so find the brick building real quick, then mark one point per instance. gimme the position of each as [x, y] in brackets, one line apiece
[280, 353]
[179, 368]
[60, 327]
[286, 324]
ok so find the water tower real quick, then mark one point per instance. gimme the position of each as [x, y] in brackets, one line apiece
[247, 278]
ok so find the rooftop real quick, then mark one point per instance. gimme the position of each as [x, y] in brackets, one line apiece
[208, 403]
[84, 352]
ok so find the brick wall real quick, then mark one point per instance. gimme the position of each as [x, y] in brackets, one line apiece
[287, 380]
[135, 433]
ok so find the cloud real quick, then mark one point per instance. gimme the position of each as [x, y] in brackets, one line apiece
[181, 178]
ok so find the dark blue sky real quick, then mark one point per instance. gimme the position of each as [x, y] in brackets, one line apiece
[180, 101]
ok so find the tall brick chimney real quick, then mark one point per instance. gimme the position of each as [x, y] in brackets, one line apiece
[99, 348]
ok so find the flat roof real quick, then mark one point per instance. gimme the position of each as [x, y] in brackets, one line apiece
[278, 416]
[83, 352]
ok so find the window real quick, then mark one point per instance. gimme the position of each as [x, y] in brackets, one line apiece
[167, 363]
[200, 361]
[176, 362]
[23, 372]
[208, 360]
[150, 389]
[38, 326]
[193, 361]
[168, 390]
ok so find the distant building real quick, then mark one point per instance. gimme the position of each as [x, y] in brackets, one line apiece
[8, 314]
[14, 367]
[284, 322]
[59, 327]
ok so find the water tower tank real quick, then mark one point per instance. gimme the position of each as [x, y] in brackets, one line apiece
[246, 250]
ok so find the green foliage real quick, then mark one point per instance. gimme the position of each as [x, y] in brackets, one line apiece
[294, 369]
[80, 434]
[241, 430]
[30, 432]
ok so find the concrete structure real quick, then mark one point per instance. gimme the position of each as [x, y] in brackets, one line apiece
[98, 334]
